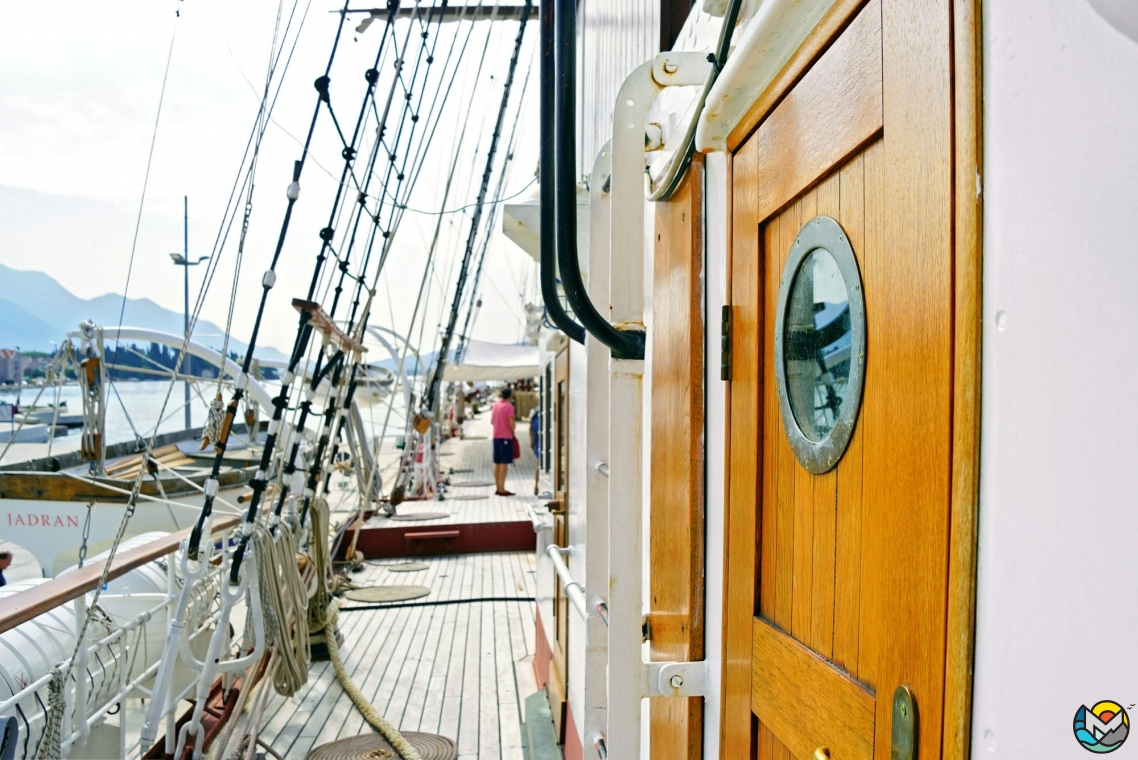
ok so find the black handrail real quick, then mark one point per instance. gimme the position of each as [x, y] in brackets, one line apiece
[548, 194]
[624, 344]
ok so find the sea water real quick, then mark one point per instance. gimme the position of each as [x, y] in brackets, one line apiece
[140, 405]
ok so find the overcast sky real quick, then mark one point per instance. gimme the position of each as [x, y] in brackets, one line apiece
[79, 89]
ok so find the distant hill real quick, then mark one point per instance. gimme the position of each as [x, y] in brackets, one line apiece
[35, 309]
[19, 328]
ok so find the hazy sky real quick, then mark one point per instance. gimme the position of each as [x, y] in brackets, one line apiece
[79, 88]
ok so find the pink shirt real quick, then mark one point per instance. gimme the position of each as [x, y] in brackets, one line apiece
[501, 414]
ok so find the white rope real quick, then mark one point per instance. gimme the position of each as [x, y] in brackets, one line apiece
[284, 604]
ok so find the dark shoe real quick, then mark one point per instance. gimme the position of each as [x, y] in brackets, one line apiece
[505, 493]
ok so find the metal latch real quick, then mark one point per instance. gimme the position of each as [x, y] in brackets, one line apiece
[677, 679]
[904, 739]
[725, 345]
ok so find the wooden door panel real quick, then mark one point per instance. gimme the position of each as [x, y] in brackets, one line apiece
[558, 666]
[810, 579]
[806, 702]
[853, 564]
[676, 537]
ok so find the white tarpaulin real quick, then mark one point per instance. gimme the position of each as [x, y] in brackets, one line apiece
[494, 361]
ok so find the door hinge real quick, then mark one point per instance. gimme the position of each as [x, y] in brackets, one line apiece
[645, 629]
[725, 344]
[677, 679]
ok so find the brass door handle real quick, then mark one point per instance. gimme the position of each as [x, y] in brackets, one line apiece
[822, 753]
[555, 507]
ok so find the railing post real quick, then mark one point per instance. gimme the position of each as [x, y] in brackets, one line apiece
[627, 672]
[596, 450]
[626, 676]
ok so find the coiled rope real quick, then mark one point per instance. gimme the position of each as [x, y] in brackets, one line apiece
[284, 604]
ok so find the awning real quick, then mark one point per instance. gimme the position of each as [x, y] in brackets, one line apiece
[495, 361]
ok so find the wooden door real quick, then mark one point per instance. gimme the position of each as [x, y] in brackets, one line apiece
[558, 696]
[837, 587]
[676, 525]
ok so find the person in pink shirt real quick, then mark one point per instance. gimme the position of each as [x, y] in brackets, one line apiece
[502, 420]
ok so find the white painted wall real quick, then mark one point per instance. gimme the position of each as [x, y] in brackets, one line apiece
[1059, 493]
[578, 529]
[715, 286]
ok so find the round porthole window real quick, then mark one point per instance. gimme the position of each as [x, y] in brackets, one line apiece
[819, 344]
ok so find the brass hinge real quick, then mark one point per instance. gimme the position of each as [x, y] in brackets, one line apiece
[725, 345]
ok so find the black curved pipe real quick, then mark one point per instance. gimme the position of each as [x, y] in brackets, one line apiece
[624, 344]
[548, 192]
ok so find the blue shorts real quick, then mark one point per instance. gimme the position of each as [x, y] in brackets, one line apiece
[503, 451]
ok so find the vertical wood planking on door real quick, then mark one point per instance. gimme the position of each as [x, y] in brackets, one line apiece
[847, 558]
[906, 503]
[785, 480]
[768, 540]
[821, 637]
[744, 444]
[803, 480]
[874, 395]
[676, 528]
[781, 479]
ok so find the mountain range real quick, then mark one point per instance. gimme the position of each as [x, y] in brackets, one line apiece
[36, 310]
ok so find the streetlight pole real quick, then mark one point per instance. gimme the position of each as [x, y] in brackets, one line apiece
[183, 260]
[186, 293]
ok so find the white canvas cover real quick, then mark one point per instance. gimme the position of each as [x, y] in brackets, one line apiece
[494, 361]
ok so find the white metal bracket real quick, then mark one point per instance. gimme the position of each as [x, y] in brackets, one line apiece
[677, 679]
[680, 68]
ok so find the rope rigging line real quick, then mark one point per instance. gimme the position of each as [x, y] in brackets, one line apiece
[146, 175]
[334, 405]
[460, 209]
[440, 360]
[267, 282]
[252, 142]
[428, 268]
[260, 126]
[464, 336]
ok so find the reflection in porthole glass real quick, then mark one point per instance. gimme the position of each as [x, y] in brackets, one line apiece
[817, 338]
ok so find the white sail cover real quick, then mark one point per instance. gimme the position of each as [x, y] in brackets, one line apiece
[494, 361]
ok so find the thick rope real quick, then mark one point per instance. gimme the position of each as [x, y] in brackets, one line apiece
[284, 601]
[371, 715]
[49, 748]
[322, 618]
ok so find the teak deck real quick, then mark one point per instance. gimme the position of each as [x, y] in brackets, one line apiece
[448, 669]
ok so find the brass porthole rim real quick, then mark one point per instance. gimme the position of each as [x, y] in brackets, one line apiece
[823, 232]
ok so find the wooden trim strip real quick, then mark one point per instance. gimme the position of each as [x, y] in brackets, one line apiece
[25, 605]
[811, 48]
[432, 534]
[807, 702]
[968, 171]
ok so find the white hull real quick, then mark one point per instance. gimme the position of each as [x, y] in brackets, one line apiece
[53, 530]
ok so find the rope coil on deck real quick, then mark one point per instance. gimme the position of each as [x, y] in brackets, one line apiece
[322, 614]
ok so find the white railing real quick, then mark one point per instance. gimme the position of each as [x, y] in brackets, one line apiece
[110, 681]
[574, 591]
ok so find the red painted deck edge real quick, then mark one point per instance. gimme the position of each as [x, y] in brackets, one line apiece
[462, 538]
